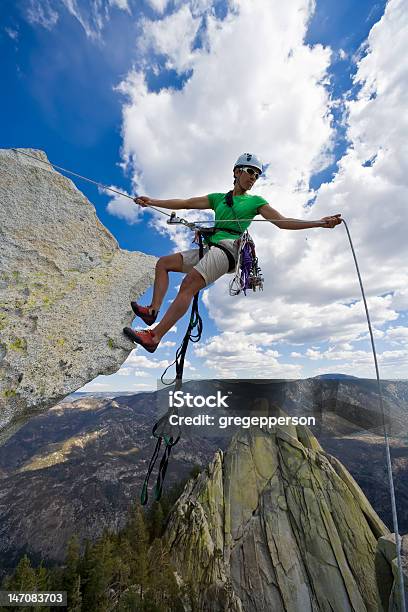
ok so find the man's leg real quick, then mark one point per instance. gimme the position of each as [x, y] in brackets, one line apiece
[166, 264]
[191, 284]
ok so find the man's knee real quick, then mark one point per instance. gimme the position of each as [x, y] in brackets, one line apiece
[170, 263]
[192, 283]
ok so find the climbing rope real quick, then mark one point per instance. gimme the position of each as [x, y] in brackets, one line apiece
[126, 195]
[84, 178]
[387, 445]
[193, 334]
[195, 321]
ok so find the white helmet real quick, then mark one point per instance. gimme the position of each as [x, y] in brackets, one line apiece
[248, 159]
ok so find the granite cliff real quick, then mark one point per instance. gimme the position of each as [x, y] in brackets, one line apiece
[65, 287]
[276, 523]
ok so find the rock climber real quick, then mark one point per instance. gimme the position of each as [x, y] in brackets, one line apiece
[220, 251]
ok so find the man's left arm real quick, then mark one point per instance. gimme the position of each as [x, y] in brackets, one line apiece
[282, 222]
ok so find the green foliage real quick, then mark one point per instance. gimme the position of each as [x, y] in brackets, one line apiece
[123, 572]
[28, 578]
[24, 577]
[71, 579]
[156, 521]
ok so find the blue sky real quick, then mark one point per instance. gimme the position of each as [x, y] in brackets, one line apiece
[177, 90]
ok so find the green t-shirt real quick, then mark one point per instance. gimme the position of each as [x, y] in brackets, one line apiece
[244, 207]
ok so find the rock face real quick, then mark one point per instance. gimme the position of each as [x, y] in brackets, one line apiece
[275, 523]
[65, 287]
[388, 573]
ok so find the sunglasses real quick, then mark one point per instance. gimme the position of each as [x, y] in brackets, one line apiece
[251, 171]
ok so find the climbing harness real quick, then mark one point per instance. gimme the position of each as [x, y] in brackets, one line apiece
[245, 280]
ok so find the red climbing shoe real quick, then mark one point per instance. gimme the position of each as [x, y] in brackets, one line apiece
[144, 314]
[143, 337]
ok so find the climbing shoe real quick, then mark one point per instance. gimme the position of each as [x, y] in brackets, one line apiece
[144, 314]
[142, 337]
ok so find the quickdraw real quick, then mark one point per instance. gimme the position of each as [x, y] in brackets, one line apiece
[248, 274]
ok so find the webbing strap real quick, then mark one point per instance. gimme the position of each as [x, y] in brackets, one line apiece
[231, 258]
[144, 495]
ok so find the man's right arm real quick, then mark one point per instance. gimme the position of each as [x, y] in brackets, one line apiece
[202, 202]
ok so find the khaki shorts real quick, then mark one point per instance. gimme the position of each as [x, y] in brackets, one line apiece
[214, 263]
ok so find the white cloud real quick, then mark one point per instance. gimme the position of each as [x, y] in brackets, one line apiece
[400, 299]
[392, 364]
[40, 12]
[120, 4]
[159, 5]
[13, 33]
[92, 16]
[273, 101]
[125, 371]
[398, 334]
[137, 386]
[141, 361]
[186, 141]
[173, 37]
[124, 208]
[239, 355]
[95, 386]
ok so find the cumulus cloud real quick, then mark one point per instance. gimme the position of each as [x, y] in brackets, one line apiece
[159, 5]
[392, 364]
[123, 207]
[136, 360]
[233, 355]
[273, 101]
[398, 335]
[185, 141]
[172, 37]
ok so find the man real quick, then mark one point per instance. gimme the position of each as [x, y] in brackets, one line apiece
[236, 213]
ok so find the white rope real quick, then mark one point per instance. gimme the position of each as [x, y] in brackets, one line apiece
[84, 178]
[387, 445]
